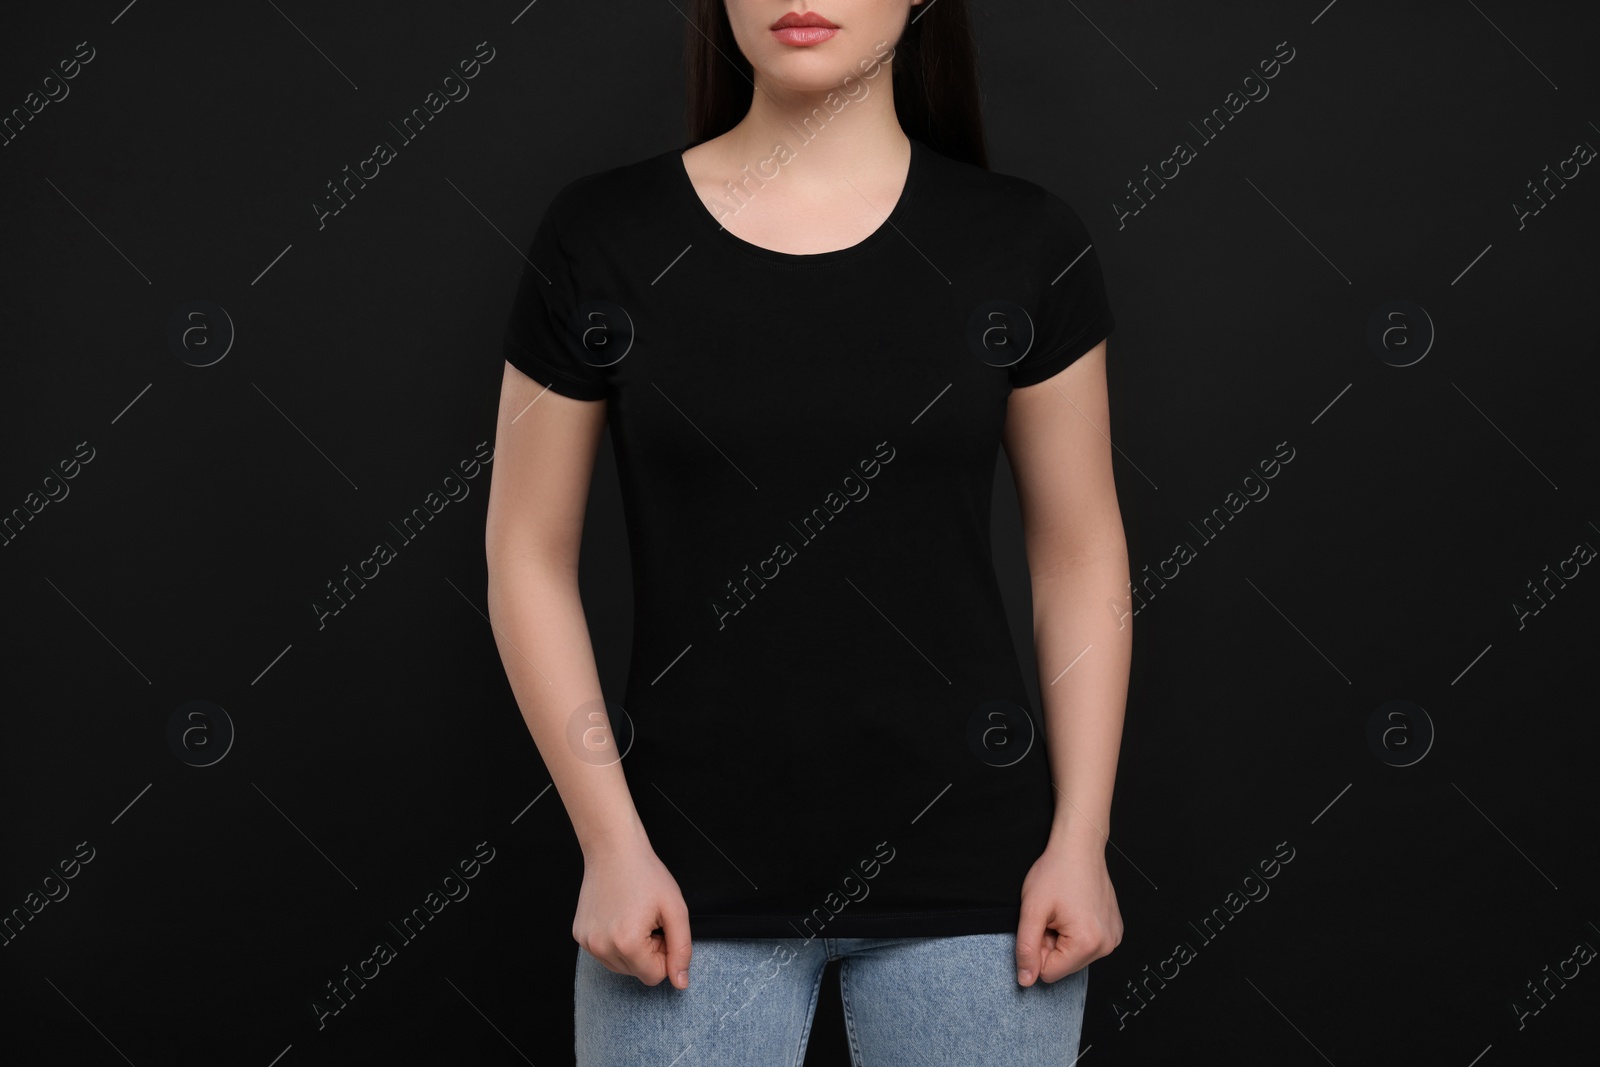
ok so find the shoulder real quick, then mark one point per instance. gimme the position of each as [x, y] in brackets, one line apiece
[1020, 203]
[601, 200]
[1042, 207]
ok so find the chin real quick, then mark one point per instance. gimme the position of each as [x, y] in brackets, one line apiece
[811, 73]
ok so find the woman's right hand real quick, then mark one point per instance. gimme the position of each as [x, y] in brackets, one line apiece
[627, 894]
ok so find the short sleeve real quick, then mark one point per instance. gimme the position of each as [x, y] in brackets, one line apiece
[1072, 313]
[541, 336]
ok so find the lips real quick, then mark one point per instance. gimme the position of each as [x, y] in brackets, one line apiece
[808, 18]
[809, 28]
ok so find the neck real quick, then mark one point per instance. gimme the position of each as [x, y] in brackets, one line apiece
[827, 134]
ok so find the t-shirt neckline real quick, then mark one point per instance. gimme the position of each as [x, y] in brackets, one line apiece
[689, 197]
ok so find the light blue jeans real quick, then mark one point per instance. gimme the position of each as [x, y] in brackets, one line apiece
[908, 1001]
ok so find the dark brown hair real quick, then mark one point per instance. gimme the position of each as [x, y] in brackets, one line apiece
[935, 78]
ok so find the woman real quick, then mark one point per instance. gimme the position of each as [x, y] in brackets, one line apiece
[809, 332]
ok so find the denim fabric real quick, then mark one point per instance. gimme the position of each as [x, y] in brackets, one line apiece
[919, 1001]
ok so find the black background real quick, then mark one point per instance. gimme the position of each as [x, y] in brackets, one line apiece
[371, 753]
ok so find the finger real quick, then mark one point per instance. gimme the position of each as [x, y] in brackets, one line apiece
[1060, 951]
[1030, 937]
[1062, 957]
[623, 951]
[675, 926]
[646, 959]
[609, 958]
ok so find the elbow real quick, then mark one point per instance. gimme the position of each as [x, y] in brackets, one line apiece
[1105, 557]
[518, 559]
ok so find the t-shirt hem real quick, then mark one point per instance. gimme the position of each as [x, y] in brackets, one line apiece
[1067, 354]
[542, 372]
[946, 923]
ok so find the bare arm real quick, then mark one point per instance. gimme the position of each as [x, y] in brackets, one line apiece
[544, 456]
[1056, 437]
[545, 447]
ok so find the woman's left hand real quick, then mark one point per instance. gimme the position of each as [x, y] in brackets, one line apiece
[1069, 913]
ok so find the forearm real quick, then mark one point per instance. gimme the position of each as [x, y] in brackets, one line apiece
[1084, 703]
[543, 637]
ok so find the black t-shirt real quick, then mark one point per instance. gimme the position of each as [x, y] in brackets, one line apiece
[830, 734]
